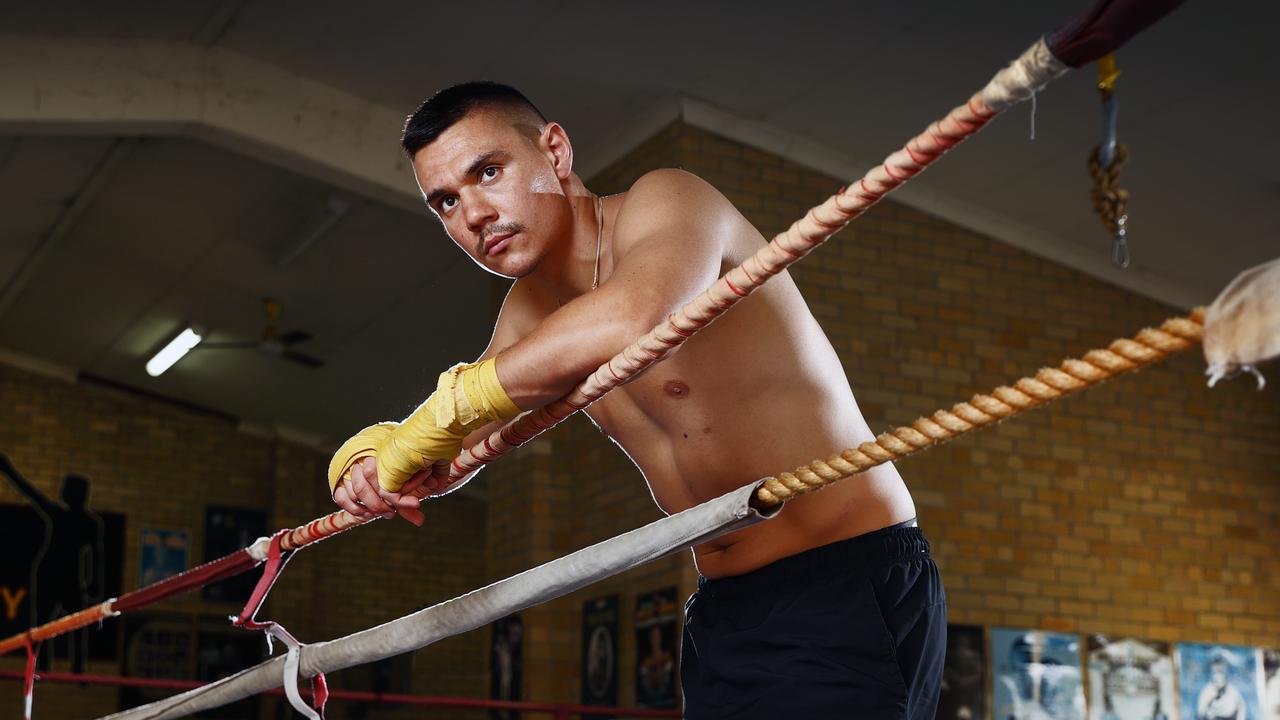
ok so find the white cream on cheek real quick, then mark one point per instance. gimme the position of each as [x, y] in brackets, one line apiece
[545, 183]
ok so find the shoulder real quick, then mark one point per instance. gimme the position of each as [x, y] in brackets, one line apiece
[673, 187]
[670, 201]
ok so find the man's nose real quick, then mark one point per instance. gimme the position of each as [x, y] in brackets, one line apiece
[478, 211]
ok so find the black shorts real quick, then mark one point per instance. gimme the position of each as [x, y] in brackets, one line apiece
[854, 629]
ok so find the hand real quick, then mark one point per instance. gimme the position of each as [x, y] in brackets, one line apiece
[363, 497]
[437, 480]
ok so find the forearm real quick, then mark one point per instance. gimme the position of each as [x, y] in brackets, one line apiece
[472, 440]
[561, 353]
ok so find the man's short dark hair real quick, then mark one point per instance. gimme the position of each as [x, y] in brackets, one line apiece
[452, 104]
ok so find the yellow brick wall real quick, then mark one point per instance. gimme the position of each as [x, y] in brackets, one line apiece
[1147, 506]
[161, 464]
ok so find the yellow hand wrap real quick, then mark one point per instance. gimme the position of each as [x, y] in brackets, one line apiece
[467, 398]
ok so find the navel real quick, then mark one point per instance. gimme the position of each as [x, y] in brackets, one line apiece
[676, 389]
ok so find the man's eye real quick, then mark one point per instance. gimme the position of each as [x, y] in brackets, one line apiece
[447, 203]
[490, 172]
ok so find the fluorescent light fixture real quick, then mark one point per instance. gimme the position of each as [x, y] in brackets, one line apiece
[174, 351]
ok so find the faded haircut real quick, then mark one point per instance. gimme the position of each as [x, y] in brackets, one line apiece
[442, 110]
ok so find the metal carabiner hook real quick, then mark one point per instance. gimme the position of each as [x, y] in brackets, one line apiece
[1120, 247]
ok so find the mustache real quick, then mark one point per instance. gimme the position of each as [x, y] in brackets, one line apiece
[509, 228]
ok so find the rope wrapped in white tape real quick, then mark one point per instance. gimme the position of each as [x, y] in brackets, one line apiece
[478, 608]
[1023, 77]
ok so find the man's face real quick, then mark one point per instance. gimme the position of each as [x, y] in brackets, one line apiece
[495, 189]
[1219, 674]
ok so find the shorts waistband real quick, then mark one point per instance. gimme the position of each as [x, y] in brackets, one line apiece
[878, 547]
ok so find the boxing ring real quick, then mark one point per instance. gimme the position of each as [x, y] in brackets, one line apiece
[1098, 31]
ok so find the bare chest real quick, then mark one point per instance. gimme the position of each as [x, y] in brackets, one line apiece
[672, 397]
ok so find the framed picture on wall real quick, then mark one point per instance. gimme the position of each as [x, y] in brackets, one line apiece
[600, 651]
[161, 553]
[506, 658]
[1219, 681]
[1271, 684]
[964, 675]
[226, 530]
[156, 646]
[1036, 675]
[657, 621]
[1130, 679]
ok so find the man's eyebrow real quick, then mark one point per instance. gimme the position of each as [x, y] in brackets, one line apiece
[475, 167]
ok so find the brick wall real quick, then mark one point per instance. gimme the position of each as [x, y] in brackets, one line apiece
[161, 464]
[1147, 506]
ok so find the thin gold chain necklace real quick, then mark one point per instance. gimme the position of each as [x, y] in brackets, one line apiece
[595, 276]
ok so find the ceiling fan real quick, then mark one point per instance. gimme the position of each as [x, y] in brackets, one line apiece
[272, 342]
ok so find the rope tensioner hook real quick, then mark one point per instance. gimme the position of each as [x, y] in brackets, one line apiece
[1109, 199]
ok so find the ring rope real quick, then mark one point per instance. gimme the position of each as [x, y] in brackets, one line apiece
[1072, 375]
[1144, 349]
[1016, 82]
[1025, 75]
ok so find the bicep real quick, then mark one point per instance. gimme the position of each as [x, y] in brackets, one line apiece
[670, 243]
[517, 318]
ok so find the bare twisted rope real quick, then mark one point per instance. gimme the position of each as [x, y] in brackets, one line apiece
[1019, 80]
[1109, 199]
[1124, 355]
[1016, 82]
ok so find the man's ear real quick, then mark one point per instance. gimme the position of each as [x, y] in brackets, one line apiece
[554, 142]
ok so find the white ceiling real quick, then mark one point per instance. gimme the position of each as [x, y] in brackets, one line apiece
[183, 231]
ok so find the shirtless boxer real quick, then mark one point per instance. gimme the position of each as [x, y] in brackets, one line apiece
[832, 609]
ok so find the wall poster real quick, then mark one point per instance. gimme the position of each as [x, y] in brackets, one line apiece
[1036, 675]
[1219, 682]
[1271, 684]
[162, 554]
[600, 651]
[226, 530]
[1130, 679]
[964, 675]
[657, 618]
[506, 657]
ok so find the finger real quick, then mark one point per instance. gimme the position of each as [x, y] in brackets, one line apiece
[347, 502]
[402, 499]
[414, 488]
[363, 485]
[371, 477]
[413, 515]
[439, 477]
[398, 500]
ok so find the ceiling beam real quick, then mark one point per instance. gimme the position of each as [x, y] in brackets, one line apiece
[81, 86]
[66, 222]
